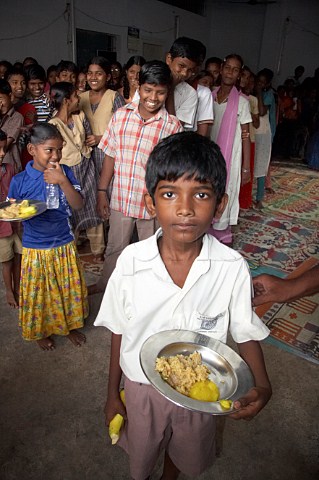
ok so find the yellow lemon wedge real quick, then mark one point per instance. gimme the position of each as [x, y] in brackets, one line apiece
[206, 391]
[226, 404]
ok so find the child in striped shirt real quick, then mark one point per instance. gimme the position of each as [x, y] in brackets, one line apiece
[36, 80]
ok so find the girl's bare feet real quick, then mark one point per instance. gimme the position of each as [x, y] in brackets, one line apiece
[46, 343]
[77, 338]
[259, 205]
[11, 299]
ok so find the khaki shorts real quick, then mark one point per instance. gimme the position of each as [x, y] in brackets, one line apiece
[9, 246]
[154, 423]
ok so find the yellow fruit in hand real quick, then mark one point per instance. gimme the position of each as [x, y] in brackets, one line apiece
[117, 422]
[226, 404]
[114, 427]
[206, 391]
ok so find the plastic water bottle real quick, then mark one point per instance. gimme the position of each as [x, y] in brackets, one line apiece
[52, 195]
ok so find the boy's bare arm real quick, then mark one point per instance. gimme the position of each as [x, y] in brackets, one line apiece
[258, 396]
[114, 404]
[107, 173]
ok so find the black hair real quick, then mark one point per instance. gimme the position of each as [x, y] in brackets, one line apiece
[59, 91]
[30, 61]
[35, 72]
[66, 65]
[267, 73]
[50, 69]
[187, 153]
[202, 74]
[41, 132]
[210, 60]
[15, 71]
[18, 65]
[236, 57]
[3, 136]
[245, 68]
[135, 60]
[6, 64]
[189, 48]
[5, 87]
[103, 63]
[155, 73]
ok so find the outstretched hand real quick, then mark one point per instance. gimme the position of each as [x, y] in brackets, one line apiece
[250, 404]
[269, 288]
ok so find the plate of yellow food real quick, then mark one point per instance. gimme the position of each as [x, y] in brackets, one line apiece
[195, 371]
[20, 210]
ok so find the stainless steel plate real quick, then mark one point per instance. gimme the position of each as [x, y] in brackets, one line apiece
[40, 206]
[228, 370]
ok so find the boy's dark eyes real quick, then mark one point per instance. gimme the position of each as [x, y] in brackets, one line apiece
[168, 194]
[202, 195]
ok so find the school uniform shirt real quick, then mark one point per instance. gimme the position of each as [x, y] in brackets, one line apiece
[129, 140]
[185, 101]
[6, 174]
[141, 299]
[205, 108]
[52, 228]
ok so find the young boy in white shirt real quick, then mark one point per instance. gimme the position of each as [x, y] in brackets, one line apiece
[177, 279]
[183, 59]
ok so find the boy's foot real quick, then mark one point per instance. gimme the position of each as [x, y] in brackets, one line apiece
[46, 343]
[77, 338]
[270, 190]
[11, 299]
[93, 289]
[259, 205]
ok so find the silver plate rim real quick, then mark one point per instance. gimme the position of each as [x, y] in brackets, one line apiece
[42, 207]
[154, 344]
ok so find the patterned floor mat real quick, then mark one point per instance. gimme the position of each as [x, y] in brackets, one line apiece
[296, 194]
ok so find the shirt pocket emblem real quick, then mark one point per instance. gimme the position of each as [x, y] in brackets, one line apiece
[209, 323]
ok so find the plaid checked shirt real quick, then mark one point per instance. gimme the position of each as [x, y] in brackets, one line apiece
[129, 140]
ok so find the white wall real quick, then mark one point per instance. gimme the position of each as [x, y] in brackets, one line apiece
[256, 32]
[292, 42]
[236, 29]
[109, 16]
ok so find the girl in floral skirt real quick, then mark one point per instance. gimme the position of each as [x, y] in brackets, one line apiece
[53, 294]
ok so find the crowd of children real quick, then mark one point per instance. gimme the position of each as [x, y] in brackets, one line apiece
[166, 153]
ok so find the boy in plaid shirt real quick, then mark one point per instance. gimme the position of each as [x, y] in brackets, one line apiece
[132, 134]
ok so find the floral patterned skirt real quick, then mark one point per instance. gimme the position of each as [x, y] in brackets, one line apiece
[53, 294]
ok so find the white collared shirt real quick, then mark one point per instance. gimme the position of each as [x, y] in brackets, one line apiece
[141, 299]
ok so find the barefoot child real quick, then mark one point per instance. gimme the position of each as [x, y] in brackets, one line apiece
[10, 243]
[53, 295]
[177, 279]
